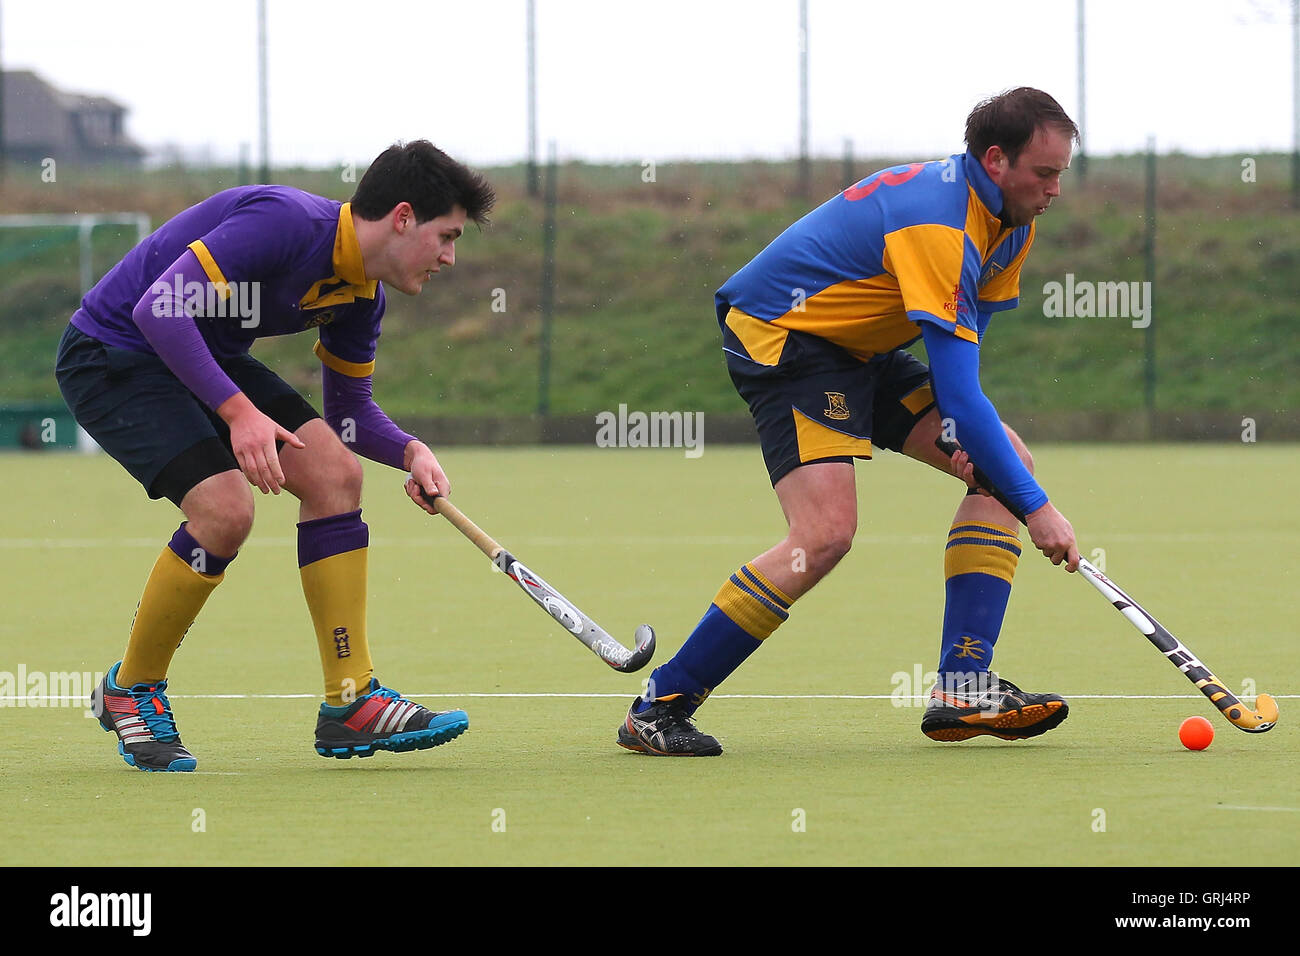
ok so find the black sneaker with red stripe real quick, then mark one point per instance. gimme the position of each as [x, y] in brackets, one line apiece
[384, 720]
[141, 716]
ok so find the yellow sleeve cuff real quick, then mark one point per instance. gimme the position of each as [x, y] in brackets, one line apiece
[343, 366]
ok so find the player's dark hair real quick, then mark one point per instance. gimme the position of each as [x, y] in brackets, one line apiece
[424, 176]
[1009, 119]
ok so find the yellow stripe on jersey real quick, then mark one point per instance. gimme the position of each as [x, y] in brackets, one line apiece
[836, 314]
[817, 441]
[919, 399]
[762, 340]
[343, 366]
[985, 229]
[214, 273]
[1005, 285]
[927, 260]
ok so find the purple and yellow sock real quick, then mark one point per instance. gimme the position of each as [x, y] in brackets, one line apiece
[179, 584]
[745, 612]
[332, 556]
[978, 565]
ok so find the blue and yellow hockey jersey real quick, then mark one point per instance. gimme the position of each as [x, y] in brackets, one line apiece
[908, 244]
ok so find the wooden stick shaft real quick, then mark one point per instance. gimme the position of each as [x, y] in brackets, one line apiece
[466, 527]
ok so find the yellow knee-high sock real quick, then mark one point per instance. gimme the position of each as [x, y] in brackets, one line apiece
[173, 596]
[334, 584]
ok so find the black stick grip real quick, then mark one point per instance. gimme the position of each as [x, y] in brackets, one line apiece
[950, 448]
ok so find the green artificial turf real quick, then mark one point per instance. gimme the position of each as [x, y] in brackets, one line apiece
[821, 766]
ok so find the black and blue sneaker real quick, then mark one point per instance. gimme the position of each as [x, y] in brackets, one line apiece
[384, 720]
[141, 716]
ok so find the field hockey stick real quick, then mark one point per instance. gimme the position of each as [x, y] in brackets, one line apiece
[1256, 721]
[550, 600]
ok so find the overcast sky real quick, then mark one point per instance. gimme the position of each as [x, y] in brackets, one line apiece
[660, 80]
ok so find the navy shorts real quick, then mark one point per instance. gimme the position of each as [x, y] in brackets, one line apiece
[141, 414]
[822, 404]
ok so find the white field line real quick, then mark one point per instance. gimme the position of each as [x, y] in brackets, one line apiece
[1222, 806]
[34, 700]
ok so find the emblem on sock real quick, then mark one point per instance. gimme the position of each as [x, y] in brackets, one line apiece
[341, 642]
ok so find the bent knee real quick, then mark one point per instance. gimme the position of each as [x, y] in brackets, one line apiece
[825, 549]
[347, 473]
[329, 477]
[220, 511]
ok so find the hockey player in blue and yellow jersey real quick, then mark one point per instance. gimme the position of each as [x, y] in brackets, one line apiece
[814, 330]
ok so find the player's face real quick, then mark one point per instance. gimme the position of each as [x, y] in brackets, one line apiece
[425, 248]
[1031, 183]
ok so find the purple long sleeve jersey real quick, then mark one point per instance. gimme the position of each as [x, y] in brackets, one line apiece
[250, 262]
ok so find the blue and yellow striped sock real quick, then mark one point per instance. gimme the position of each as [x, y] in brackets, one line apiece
[978, 565]
[746, 610]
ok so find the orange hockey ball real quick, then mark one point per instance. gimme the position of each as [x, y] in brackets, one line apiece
[1196, 733]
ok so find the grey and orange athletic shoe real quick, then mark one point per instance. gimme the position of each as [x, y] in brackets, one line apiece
[990, 705]
[664, 729]
[383, 719]
[141, 716]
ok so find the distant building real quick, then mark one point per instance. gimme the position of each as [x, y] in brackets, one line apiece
[41, 121]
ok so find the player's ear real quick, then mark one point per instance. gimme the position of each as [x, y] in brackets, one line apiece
[403, 217]
[995, 160]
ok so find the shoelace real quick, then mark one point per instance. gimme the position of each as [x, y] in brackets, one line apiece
[677, 710]
[386, 692]
[156, 710]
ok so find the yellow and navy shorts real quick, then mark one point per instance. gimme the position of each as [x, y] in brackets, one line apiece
[822, 404]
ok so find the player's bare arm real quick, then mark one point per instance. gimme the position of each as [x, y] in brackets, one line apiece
[426, 475]
[1053, 535]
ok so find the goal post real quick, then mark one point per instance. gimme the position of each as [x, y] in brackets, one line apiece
[21, 420]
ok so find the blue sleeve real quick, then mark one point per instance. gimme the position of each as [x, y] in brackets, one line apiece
[954, 374]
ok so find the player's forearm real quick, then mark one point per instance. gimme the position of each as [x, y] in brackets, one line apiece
[954, 368]
[361, 423]
[170, 330]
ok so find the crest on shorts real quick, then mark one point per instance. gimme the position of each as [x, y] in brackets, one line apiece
[839, 409]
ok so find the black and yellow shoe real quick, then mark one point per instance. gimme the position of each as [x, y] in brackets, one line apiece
[664, 729]
[990, 705]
